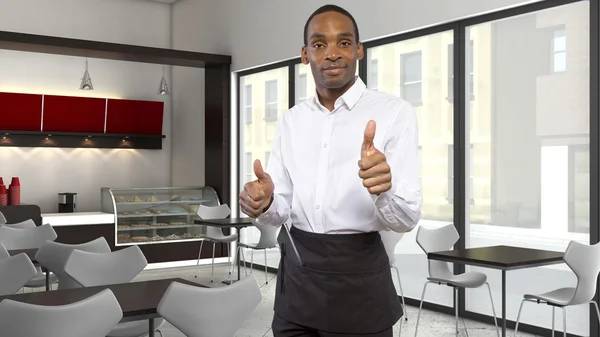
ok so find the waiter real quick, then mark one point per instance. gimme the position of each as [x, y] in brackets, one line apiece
[343, 167]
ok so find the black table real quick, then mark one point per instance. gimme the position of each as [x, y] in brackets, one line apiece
[238, 223]
[138, 300]
[500, 257]
[31, 254]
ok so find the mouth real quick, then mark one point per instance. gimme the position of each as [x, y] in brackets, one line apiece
[334, 70]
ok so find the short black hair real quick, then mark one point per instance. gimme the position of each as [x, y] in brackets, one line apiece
[330, 8]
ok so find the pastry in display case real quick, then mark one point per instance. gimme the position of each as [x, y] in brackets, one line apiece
[156, 215]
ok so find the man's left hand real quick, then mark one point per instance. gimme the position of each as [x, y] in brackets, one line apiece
[374, 169]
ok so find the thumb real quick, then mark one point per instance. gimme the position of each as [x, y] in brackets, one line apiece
[367, 145]
[259, 172]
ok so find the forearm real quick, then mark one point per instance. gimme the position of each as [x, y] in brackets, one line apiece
[277, 212]
[400, 208]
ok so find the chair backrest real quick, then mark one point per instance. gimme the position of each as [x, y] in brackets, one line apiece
[2, 219]
[584, 260]
[268, 236]
[198, 311]
[390, 240]
[15, 272]
[213, 212]
[436, 240]
[54, 256]
[94, 316]
[26, 238]
[95, 269]
[3, 252]
[29, 223]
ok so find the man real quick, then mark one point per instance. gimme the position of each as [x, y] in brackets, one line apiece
[342, 168]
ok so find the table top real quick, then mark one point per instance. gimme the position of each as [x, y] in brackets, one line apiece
[226, 222]
[500, 257]
[136, 298]
[30, 253]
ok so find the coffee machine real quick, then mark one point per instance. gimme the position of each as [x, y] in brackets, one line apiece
[67, 202]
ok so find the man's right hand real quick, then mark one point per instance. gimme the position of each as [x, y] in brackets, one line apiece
[256, 195]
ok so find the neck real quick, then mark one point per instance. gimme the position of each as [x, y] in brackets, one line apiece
[328, 96]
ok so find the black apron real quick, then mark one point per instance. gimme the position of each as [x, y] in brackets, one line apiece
[336, 283]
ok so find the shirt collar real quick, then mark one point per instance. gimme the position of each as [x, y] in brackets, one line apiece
[351, 96]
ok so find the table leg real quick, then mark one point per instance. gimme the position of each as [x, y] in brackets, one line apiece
[503, 303]
[237, 258]
[151, 327]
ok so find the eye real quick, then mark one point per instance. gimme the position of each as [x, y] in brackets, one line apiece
[318, 45]
[345, 43]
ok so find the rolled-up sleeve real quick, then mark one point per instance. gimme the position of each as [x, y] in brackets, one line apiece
[400, 207]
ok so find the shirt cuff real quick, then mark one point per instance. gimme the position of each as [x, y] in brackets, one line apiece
[267, 215]
[383, 199]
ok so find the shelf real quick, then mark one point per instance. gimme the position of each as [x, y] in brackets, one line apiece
[158, 242]
[155, 227]
[159, 203]
[152, 215]
[79, 140]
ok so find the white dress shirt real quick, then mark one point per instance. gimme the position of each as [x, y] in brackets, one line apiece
[314, 165]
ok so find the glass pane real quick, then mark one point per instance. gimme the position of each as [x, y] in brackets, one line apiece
[305, 83]
[530, 172]
[435, 136]
[270, 99]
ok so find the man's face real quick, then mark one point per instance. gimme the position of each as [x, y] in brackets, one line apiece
[332, 50]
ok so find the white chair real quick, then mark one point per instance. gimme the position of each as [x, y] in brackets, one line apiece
[121, 266]
[442, 239]
[2, 219]
[15, 271]
[213, 234]
[26, 235]
[198, 311]
[29, 223]
[267, 240]
[390, 240]
[584, 261]
[54, 256]
[94, 316]
[26, 238]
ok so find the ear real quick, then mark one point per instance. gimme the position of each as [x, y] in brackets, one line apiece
[303, 55]
[361, 51]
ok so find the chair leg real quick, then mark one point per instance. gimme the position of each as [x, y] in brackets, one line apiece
[212, 272]
[564, 310]
[244, 259]
[266, 274]
[401, 294]
[456, 310]
[198, 262]
[493, 309]
[518, 317]
[597, 310]
[420, 306]
[251, 261]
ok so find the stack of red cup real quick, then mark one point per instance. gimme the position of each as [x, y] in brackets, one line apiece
[14, 192]
[3, 194]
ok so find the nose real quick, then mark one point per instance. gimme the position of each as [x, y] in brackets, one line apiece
[332, 53]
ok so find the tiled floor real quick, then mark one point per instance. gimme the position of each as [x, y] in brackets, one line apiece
[432, 324]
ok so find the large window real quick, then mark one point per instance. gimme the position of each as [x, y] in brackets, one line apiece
[256, 138]
[531, 159]
[305, 83]
[414, 66]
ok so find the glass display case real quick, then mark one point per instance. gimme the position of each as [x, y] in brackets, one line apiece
[156, 215]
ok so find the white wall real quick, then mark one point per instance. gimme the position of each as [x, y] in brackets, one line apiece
[258, 32]
[46, 172]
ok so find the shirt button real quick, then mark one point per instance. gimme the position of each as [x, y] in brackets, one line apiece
[325, 145]
[318, 206]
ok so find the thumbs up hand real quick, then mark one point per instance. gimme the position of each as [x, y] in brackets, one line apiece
[257, 194]
[373, 167]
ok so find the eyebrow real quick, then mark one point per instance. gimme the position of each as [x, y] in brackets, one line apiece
[320, 36]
